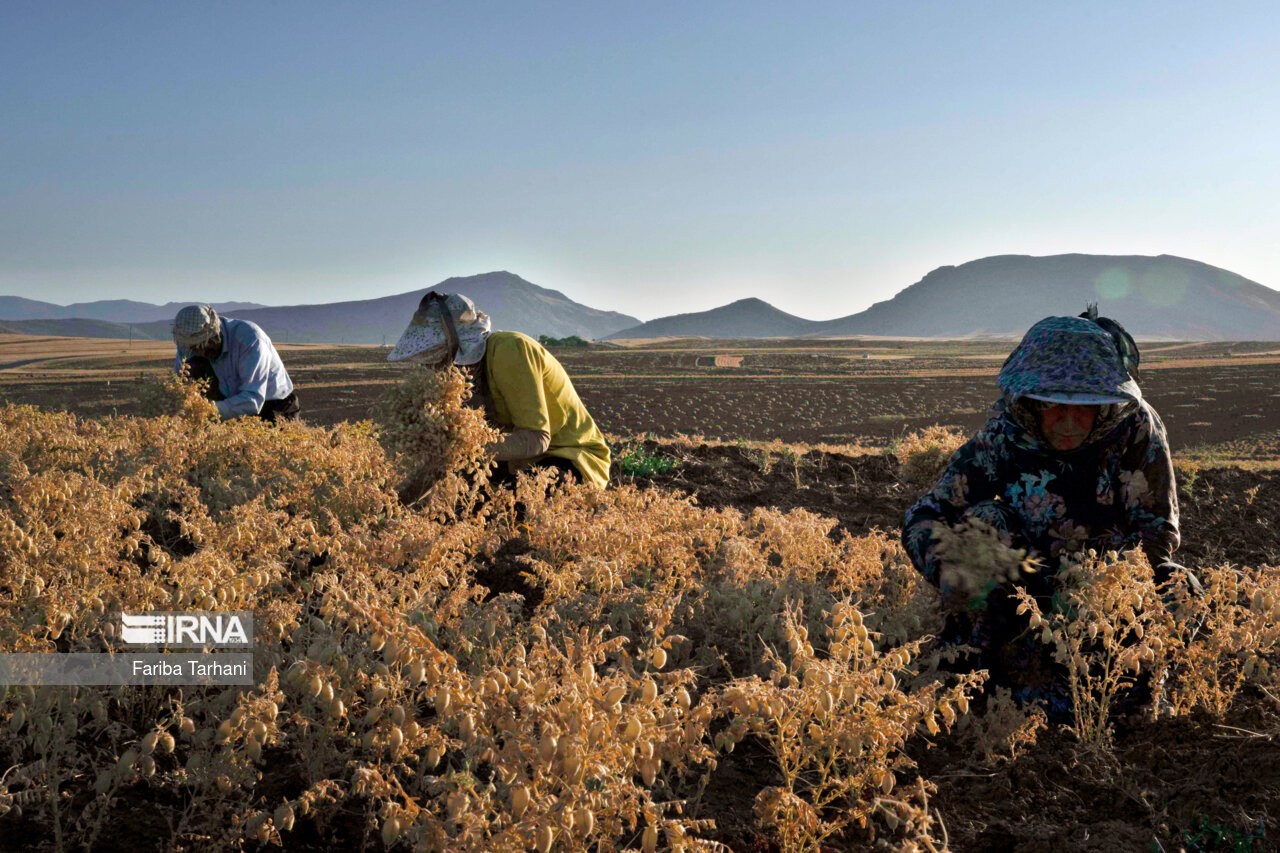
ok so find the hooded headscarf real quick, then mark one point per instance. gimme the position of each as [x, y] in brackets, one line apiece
[428, 329]
[1070, 360]
[1114, 492]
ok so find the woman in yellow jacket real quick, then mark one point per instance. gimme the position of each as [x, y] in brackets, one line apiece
[525, 390]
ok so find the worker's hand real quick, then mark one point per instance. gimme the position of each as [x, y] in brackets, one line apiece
[522, 444]
[1180, 590]
[1172, 578]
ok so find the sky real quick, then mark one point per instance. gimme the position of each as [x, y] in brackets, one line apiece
[651, 158]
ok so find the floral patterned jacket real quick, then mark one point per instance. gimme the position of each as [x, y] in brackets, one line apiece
[1114, 492]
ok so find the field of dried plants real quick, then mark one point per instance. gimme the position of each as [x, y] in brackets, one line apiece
[726, 650]
[863, 392]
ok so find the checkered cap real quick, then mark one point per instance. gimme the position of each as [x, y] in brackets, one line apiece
[195, 325]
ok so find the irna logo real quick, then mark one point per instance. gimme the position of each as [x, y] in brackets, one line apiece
[186, 629]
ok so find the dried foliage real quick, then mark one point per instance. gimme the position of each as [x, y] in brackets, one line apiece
[924, 454]
[170, 394]
[974, 558]
[389, 684]
[1110, 626]
[836, 723]
[557, 666]
[438, 442]
[1107, 625]
[1236, 628]
[1003, 729]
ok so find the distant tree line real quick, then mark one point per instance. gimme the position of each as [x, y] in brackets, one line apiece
[571, 341]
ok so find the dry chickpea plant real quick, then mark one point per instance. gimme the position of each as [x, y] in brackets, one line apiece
[836, 724]
[583, 703]
[1107, 628]
[1237, 628]
[974, 559]
[1112, 628]
[924, 454]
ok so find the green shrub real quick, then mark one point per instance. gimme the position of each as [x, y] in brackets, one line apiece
[636, 463]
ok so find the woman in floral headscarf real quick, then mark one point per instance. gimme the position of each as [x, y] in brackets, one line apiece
[524, 389]
[1070, 459]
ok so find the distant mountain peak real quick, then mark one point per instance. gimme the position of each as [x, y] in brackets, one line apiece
[512, 302]
[744, 318]
[124, 311]
[494, 275]
[1151, 295]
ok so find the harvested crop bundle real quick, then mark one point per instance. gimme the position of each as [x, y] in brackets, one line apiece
[436, 439]
[975, 559]
[178, 395]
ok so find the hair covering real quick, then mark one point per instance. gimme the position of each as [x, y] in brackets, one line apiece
[427, 330]
[195, 325]
[1069, 360]
[1125, 344]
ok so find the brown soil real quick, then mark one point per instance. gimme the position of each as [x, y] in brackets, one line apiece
[813, 392]
[1199, 405]
[1228, 514]
[1157, 785]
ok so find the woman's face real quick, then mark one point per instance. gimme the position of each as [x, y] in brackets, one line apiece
[1066, 425]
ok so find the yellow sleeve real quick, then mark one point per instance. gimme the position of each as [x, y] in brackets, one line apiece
[517, 375]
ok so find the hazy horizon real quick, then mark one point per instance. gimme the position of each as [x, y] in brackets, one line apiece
[652, 161]
[643, 319]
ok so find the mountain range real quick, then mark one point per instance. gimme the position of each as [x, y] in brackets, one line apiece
[107, 310]
[511, 303]
[1161, 296]
[1152, 296]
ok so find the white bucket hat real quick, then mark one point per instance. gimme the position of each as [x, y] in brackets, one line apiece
[439, 317]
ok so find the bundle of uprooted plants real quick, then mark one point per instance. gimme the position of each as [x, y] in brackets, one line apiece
[974, 558]
[399, 702]
[438, 442]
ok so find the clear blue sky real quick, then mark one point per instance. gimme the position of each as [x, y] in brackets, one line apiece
[651, 158]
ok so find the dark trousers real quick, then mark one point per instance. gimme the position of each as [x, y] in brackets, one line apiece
[504, 476]
[285, 409]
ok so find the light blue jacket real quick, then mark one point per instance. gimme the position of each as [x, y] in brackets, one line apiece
[249, 370]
